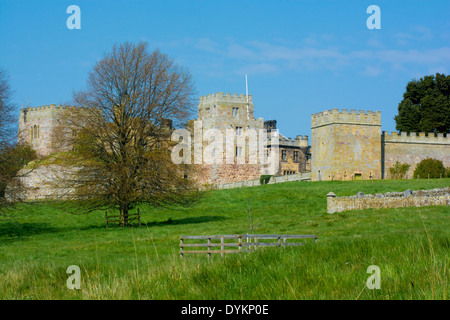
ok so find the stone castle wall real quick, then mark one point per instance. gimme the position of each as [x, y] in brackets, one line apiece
[224, 112]
[411, 148]
[305, 176]
[228, 173]
[37, 126]
[292, 154]
[216, 111]
[346, 145]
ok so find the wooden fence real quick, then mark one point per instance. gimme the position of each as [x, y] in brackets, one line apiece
[116, 218]
[240, 243]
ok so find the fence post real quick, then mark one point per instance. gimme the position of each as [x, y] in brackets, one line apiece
[106, 218]
[139, 216]
[209, 248]
[330, 202]
[181, 248]
[222, 247]
[240, 242]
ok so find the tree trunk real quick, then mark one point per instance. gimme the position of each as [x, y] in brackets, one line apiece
[124, 215]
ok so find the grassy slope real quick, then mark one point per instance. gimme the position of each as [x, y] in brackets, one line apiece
[410, 245]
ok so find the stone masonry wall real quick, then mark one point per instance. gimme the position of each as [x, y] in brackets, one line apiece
[420, 198]
[42, 182]
[346, 145]
[228, 173]
[306, 176]
[228, 111]
[45, 119]
[412, 148]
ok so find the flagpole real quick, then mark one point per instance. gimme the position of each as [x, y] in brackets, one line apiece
[246, 93]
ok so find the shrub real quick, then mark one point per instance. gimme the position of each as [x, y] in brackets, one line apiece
[264, 179]
[399, 170]
[431, 168]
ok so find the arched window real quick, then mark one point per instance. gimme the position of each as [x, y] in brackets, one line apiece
[35, 132]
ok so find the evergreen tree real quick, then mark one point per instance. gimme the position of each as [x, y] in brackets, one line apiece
[426, 105]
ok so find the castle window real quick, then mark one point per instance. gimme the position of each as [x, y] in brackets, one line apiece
[238, 131]
[235, 112]
[283, 155]
[34, 132]
[295, 155]
[238, 151]
[266, 155]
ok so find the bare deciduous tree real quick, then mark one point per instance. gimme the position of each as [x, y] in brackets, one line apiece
[121, 134]
[6, 108]
[13, 156]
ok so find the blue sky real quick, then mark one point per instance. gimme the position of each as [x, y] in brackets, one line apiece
[301, 57]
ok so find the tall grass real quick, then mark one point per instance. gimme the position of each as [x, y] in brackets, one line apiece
[410, 245]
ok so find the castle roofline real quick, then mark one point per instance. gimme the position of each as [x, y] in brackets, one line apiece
[344, 111]
[227, 96]
[335, 116]
[49, 107]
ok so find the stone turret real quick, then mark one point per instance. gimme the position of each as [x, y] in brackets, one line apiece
[37, 125]
[346, 145]
[225, 111]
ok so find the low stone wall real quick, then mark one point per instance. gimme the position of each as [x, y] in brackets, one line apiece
[250, 183]
[408, 198]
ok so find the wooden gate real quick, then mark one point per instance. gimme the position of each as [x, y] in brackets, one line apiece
[238, 243]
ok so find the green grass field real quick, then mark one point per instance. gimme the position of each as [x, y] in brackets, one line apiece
[410, 245]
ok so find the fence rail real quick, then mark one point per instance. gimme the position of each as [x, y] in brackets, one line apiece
[252, 241]
[115, 219]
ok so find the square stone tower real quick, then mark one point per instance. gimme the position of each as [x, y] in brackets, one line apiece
[36, 127]
[44, 127]
[225, 111]
[236, 113]
[346, 145]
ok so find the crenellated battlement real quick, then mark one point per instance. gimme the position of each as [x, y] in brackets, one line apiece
[334, 116]
[299, 141]
[48, 107]
[227, 97]
[301, 138]
[416, 137]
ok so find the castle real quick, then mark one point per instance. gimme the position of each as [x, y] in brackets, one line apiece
[350, 146]
[236, 112]
[345, 145]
